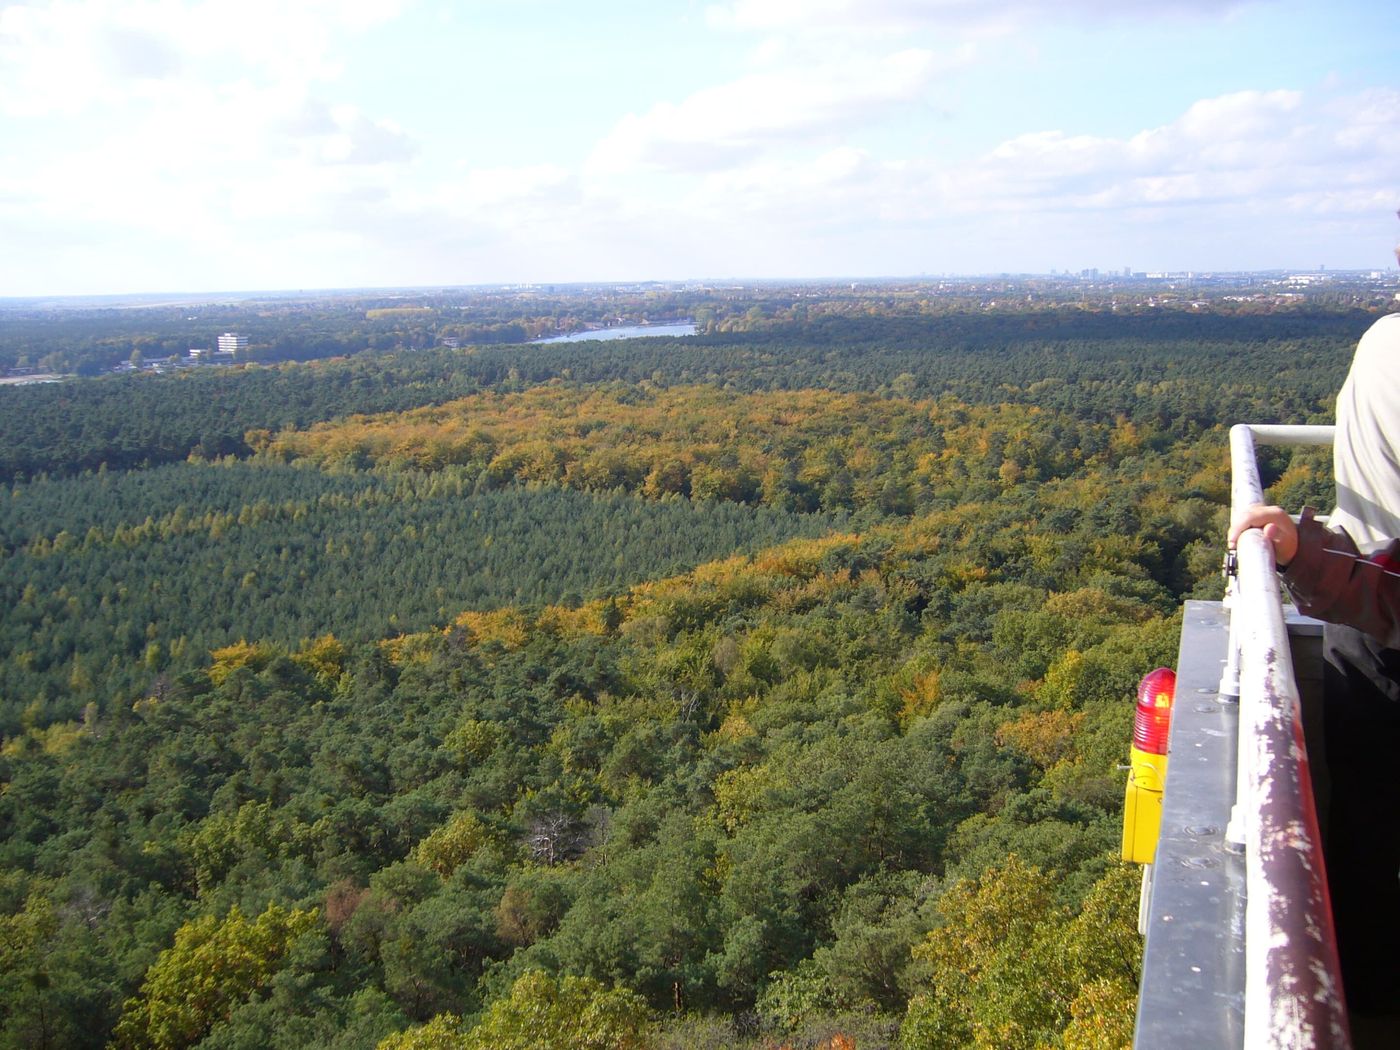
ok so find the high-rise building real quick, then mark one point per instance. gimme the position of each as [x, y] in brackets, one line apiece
[232, 342]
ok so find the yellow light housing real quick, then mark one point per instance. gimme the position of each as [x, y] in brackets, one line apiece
[1147, 773]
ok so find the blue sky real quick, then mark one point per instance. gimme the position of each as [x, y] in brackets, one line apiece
[190, 145]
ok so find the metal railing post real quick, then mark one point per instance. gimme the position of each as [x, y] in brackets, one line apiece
[1229, 692]
[1293, 993]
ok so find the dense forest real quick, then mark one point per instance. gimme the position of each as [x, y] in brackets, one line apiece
[762, 688]
[142, 573]
[1154, 368]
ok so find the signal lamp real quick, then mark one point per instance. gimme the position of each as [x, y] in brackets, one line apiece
[1153, 719]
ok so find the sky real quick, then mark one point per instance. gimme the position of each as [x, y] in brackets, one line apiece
[202, 145]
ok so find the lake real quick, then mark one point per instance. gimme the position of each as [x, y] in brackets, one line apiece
[635, 331]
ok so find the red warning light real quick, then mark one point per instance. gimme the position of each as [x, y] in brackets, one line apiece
[1154, 711]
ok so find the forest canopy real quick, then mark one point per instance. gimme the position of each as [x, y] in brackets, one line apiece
[765, 688]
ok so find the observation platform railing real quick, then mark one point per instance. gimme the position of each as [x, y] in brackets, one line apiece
[1240, 948]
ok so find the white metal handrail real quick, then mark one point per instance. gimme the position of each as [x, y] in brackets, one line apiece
[1293, 991]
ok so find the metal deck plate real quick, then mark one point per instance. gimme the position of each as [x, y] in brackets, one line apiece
[1192, 992]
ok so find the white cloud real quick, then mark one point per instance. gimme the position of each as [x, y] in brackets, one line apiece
[486, 187]
[716, 126]
[1260, 172]
[509, 200]
[1247, 174]
[1239, 147]
[71, 56]
[821, 69]
[1368, 122]
[1241, 179]
[136, 54]
[780, 191]
[873, 16]
[358, 139]
[194, 121]
[1243, 114]
[230, 136]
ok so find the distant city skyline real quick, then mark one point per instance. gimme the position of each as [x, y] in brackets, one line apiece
[197, 145]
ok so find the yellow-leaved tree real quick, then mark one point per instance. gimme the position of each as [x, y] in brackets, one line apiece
[214, 965]
[565, 1013]
[1009, 969]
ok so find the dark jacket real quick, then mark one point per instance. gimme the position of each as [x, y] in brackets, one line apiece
[1331, 580]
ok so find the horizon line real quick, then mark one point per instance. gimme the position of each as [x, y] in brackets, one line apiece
[1087, 273]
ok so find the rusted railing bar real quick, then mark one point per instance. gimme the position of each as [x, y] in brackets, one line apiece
[1293, 994]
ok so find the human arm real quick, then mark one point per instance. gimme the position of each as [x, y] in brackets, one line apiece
[1331, 580]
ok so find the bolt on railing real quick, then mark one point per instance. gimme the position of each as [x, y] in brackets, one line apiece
[1293, 990]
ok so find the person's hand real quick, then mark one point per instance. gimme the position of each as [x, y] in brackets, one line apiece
[1278, 528]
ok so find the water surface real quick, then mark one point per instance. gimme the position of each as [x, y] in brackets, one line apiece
[634, 331]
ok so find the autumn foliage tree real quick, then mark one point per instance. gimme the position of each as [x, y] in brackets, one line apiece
[1008, 968]
[568, 1013]
[214, 965]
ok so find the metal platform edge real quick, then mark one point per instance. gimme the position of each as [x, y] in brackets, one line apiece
[1192, 990]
